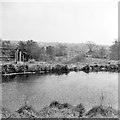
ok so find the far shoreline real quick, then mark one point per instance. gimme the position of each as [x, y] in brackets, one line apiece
[92, 65]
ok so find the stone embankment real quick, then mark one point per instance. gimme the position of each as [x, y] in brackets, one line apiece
[14, 69]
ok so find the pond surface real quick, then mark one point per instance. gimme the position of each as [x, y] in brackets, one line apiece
[74, 88]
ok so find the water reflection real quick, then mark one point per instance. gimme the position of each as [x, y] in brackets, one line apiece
[75, 87]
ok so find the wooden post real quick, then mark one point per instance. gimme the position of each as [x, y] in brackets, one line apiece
[20, 56]
[16, 56]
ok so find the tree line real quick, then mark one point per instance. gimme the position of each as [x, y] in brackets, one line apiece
[33, 50]
[42, 53]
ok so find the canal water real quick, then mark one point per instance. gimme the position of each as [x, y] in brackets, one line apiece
[74, 88]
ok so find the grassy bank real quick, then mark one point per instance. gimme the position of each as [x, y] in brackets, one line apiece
[88, 65]
[62, 110]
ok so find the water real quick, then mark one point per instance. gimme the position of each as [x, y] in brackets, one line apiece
[74, 88]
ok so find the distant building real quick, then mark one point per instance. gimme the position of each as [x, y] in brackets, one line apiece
[4, 57]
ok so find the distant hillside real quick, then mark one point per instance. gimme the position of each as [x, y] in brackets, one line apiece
[76, 59]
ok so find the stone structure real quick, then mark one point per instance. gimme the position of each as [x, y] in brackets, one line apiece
[20, 56]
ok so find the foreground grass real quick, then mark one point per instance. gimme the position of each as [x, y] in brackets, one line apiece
[64, 110]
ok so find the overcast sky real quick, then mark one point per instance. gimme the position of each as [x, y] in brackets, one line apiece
[60, 21]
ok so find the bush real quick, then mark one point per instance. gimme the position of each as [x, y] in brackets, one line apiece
[80, 108]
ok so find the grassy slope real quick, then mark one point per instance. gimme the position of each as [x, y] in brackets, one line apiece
[64, 110]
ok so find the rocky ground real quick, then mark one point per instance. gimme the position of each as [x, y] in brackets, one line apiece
[64, 110]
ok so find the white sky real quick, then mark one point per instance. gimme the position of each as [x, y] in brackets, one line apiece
[73, 21]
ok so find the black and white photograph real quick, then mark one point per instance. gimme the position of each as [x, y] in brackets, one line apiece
[59, 59]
